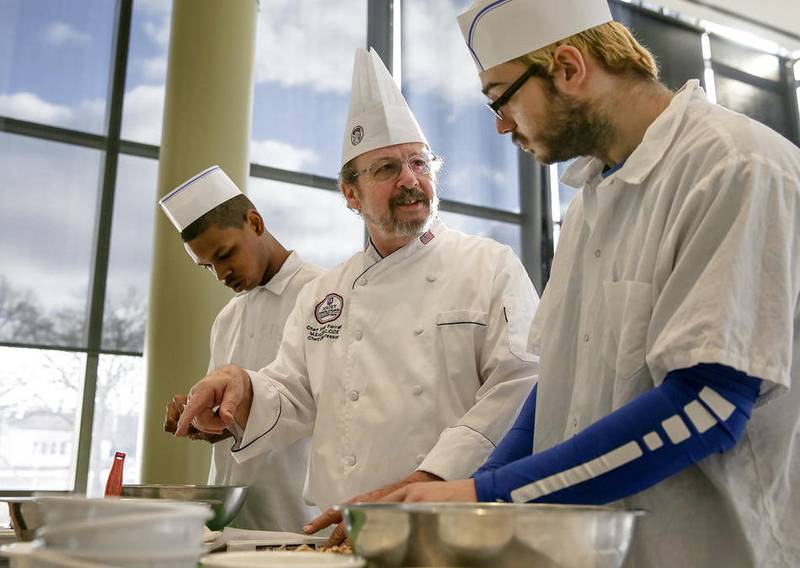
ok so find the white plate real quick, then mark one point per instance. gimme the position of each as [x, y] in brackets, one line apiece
[279, 559]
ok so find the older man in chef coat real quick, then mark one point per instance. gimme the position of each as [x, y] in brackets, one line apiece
[402, 362]
[669, 333]
[223, 231]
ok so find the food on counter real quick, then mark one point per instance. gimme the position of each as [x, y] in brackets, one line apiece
[344, 548]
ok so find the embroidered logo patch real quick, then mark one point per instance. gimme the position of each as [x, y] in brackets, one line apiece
[356, 136]
[329, 309]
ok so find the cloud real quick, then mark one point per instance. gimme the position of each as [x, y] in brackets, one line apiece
[281, 155]
[158, 32]
[437, 61]
[143, 114]
[154, 69]
[313, 47]
[28, 106]
[61, 33]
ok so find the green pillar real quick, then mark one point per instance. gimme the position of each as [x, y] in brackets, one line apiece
[207, 116]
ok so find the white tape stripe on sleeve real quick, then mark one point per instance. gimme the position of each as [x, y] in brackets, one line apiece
[578, 474]
[700, 417]
[676, 429]
[721, 407]
[653, 441]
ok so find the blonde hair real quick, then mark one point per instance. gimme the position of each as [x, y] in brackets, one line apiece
[611, 44]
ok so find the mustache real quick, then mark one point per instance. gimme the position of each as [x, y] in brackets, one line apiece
[518, 139]
[408, 195]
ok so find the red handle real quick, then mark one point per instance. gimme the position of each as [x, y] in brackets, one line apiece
[114, 483]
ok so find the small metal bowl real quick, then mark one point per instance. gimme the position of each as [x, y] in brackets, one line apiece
[25, 515]
[496, 535]
[225, 500]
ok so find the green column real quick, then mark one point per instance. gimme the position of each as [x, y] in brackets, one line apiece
[207, 116]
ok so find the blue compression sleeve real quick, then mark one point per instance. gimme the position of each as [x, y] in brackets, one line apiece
[693, 413]
[518, 442]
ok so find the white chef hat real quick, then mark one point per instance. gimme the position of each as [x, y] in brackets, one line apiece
[497, 31]
[197, 196]
[378, 115]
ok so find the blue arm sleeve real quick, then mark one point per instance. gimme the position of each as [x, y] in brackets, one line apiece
[693, 413]
[518, 442]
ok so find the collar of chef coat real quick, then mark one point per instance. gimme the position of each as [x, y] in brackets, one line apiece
[371, 254]
[280, 280]
[648, 153]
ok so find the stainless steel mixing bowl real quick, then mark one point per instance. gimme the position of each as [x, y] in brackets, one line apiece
[225, 500]
[497, 535]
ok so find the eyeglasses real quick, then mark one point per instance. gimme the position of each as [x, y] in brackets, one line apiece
[495, 105]
[387, 169]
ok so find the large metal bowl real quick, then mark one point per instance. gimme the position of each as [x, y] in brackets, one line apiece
[497, 535]
[225, 500]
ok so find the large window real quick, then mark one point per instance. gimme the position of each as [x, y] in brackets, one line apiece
[79, 146]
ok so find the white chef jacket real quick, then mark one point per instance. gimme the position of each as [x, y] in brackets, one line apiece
[247, 332]
[690, 253]
[413, 361]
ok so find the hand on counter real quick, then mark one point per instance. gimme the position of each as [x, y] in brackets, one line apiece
[332, 516]
[172, 414]
[438, 491]
[229, 389]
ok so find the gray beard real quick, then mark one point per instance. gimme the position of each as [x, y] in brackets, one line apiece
[389, 224]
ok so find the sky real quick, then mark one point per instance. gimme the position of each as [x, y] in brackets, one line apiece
[55, 58]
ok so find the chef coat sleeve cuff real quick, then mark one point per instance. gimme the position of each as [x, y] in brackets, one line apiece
[265, 411]
[459, 452]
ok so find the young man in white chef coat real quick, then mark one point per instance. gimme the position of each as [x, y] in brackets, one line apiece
[669, 332]
[223, 231]
[400, 361]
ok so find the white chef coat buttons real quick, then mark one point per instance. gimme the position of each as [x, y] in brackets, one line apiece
[597, 253]
[354, 395]
[417, 390]
[430, 278]
[574, 422]
[585, 338]
[350, 461]
[418, 331]
[359, 334]
[362, 282]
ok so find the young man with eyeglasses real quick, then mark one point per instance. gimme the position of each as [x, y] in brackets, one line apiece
[399, 361]
[669, 332]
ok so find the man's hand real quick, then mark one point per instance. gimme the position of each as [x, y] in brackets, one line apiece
[332, 516]
[172, 414]
[438, 491]
[229, 389]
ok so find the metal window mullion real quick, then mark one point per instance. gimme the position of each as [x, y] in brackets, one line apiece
[102, 238]
[288, 176]
[790, 86]
[537, 225]
[481, 212]
[52, 133]
[69, 349]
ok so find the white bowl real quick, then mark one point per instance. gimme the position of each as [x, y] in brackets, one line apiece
[142, 559]
[156, 532]
[31, 555]
[70, 509]
[281, 559]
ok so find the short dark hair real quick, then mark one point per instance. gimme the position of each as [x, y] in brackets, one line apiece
[230, 213]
